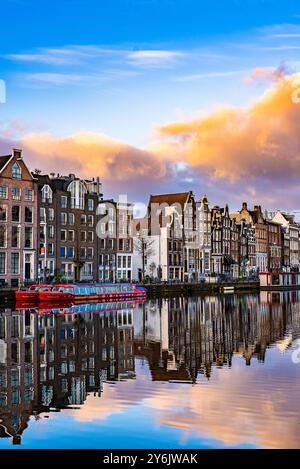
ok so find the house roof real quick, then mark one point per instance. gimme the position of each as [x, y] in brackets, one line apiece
[180, 197]
[4, 160]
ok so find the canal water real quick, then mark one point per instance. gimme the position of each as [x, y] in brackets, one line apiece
[199, 372]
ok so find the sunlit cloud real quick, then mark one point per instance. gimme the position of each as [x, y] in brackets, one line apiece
[235, 143]
[233, 153]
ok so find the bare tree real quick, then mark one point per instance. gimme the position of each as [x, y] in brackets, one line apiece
[144, 247]
[152, 268]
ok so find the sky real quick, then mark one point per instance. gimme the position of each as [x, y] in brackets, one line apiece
[157, 96]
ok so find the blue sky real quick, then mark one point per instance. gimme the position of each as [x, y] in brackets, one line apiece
[122, 68]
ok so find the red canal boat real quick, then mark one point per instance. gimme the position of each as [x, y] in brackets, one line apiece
[81, 292]
[31, 294]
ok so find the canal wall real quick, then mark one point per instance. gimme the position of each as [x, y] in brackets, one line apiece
[188, 289]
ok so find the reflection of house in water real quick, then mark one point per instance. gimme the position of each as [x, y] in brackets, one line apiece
[18, 371]
[182, 337]
[78, 352]
[52, 361]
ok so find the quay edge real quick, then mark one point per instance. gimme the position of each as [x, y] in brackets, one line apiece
[169, 289]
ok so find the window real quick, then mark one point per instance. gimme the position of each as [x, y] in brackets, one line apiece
[90, 205]
[3, 212]
[71, 219]
[15, 263]
[16, 193]
[50, 249]
[15, 398]
[63, 252]
[63, 201]
[88, 269]
[15, 213]
[47, 194]
[83, 219]
[63, 235]
[14, 377]
[63, 218]
[102, 228]
[16, 171]
[3, 380]
[90, 236]
[15, 236]
[28, 376]
[50, 214]
[2, 263]
[71, 253]
[83, 236]
[90, 253]
[2, 236]
[42, 214]
[3, 192]
[28, 237]
[83, 253]
[90, 220]
[28, 195]
[71, 235]
[28, 215]
[78, 191]
[51, 231]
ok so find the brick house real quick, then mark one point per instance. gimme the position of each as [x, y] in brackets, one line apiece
[67, 221]
[115, 241]
[173, 217]
[18, 221]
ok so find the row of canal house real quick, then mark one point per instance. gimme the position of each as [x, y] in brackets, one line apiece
[54, 226]
[192, 239]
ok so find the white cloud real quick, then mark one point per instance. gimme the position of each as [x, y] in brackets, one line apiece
[201, 76]
[154, 57]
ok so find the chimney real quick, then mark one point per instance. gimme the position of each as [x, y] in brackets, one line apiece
[17, 153]
[245, 207]
[255, 208]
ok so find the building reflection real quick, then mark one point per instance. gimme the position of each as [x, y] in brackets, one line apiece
[183, 338]
[52, 361]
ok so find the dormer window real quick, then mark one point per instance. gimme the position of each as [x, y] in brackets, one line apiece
[16, 171]
[47, 194]
[78, 190]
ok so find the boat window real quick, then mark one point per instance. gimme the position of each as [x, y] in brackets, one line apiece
[275, 279]
[77, 291]
[82, 291]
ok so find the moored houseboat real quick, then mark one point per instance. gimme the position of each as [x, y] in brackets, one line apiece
[81, 292]
[96, 292]
[279, 280]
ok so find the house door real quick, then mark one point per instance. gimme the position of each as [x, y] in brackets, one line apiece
[28, 267]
